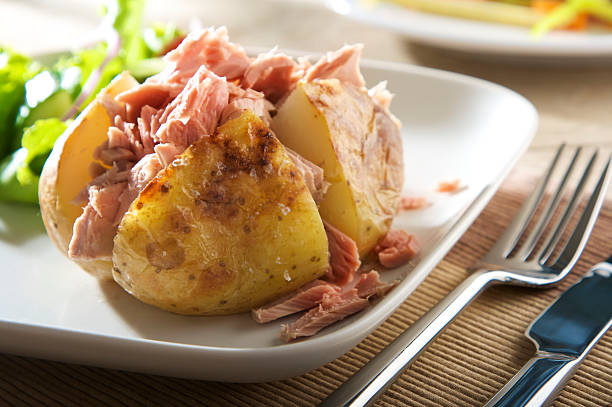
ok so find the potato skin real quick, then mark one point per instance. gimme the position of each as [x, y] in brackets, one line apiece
[228, 226]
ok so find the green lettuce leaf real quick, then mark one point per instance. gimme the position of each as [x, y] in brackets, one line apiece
[15, 70]
[20, 171]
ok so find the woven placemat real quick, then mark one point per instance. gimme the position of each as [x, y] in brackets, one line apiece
[465, 366]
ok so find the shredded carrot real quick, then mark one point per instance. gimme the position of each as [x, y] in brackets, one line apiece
[545, 6]
[579, 23]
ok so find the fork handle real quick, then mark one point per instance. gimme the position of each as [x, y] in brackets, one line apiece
[378, 374]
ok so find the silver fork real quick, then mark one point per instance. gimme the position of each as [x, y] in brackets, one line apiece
[506, 263]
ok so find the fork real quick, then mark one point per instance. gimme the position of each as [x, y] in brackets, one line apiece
[527, 264]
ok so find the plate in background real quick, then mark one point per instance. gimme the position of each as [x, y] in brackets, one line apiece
[453, 127]
[475, 36]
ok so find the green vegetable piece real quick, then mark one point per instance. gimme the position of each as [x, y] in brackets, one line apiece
[11, 189]
[44, 98]
[15, 70]
[127, 16]
[20, 171]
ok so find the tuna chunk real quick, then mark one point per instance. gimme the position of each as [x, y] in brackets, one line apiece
[307, 296]
[312, 174]
[408, 203]
[154, 94]
[246, 99]
[342, 65]
[343, 256]
[369, 284]
[94, 230]
[381, 95]
[273, 74]
[210, 48]
[195, 112]
[333, 308]
[397, 248]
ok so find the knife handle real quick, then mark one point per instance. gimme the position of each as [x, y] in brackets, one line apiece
[538, 383]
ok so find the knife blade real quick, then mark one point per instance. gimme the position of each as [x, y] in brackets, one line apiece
[563, 335]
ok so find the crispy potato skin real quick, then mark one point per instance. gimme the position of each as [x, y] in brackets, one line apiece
[66, 173]
[228, 226]
[338, 127]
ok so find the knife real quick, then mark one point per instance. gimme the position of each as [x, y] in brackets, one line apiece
[563, 334]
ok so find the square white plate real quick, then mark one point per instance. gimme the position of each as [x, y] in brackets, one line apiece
[453, 127]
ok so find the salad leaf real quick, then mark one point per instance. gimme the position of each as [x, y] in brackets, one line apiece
[81, 65]
[15, 70]
[45, 98]
[20, 171]
[126, 17]
[10, 188]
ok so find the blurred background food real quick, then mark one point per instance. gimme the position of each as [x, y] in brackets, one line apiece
[571, 94]
[541, 16]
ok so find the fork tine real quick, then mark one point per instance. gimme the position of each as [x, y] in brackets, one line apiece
[513, 232]
[546, 251]
[537, 231]
[579, 237]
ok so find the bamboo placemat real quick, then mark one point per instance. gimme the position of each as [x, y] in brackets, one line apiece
[465, 366]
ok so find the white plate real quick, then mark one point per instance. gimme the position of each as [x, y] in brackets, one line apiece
[476, 36]
[453, 127]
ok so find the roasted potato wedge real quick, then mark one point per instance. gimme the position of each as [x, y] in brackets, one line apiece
[338, 127]
[66, 173]
[228, 226]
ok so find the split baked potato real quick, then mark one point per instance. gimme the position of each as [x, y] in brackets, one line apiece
[230, 224]
[66, 172]
[338, 127]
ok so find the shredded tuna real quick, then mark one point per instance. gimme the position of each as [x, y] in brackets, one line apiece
[246, 99]
[448, 186]
[408, 203]
[342, 65]
[312, 174]
[154, 94]
[210, 48]
[94, 230]
[307, 296]
[381, 95]
[343, 256]
[273, 74]
[397, 248]
[333, 308]
[195, 112]
[369, 285]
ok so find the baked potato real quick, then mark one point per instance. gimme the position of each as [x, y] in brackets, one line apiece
[66, 172]
[193, 203]
[227, 227]
[338, 127]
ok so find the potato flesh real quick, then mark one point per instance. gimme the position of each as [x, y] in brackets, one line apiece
[229, 226]
[90, 131]
[333, 125]
[66, 173]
